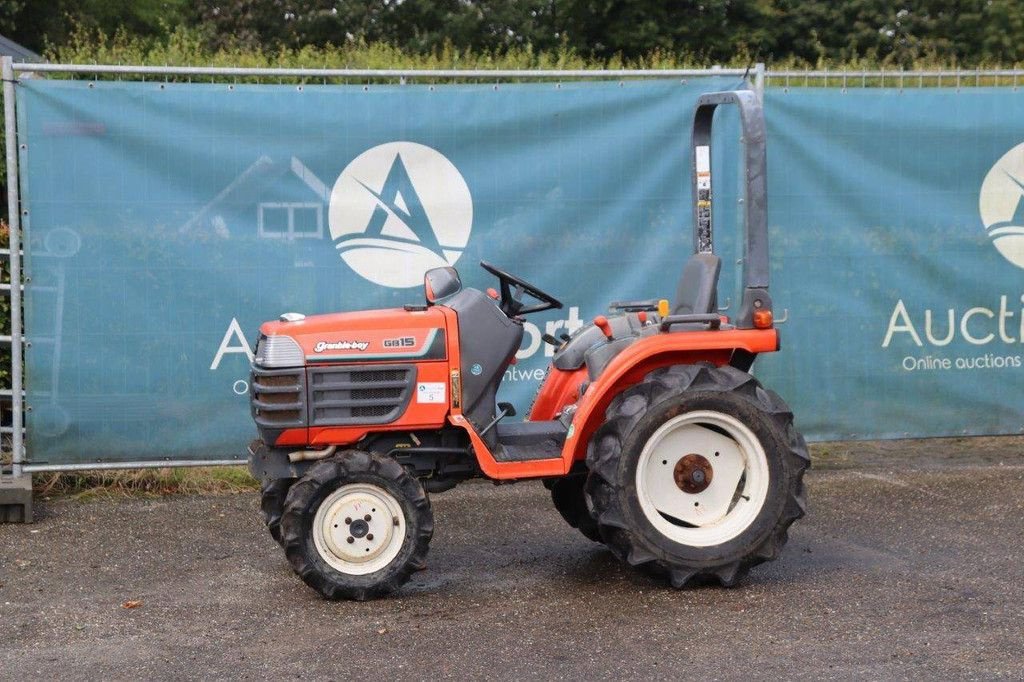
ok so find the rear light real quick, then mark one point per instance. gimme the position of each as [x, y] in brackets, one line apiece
[278, 351]
[762, 319]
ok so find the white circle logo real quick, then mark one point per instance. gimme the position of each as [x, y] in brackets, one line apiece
[1001, 205]
[398, 210]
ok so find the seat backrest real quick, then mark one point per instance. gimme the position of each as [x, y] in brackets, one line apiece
[440, 283]
[697, 293]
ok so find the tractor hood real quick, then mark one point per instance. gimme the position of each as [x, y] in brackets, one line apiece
[369, 335]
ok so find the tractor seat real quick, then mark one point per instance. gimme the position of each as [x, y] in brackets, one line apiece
[440, 283]
[697, 293]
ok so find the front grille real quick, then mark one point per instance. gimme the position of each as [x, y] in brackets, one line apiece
[371, 411]
[385, 394]
[378, 375]
[278, 397]
[278, 381]
[340, 395]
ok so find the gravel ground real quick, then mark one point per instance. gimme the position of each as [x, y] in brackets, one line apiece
[908, 566]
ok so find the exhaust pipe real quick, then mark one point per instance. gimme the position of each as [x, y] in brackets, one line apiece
[310, 455]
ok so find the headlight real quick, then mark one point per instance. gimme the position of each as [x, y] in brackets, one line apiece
[278, 351]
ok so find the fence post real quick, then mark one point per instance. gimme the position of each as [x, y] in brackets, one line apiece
[16, 490]
[759, 80]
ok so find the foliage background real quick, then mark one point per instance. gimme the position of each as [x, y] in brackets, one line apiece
[513, 34]
[894, 32]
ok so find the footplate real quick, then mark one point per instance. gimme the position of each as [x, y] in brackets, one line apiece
[529, 441]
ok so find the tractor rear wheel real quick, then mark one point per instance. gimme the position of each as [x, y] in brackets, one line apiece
[272, 496]
[567, 494]
[356, 526]
[696, 473]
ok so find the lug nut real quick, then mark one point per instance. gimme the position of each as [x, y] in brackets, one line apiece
[370, 536]
[351, 539]
[348, 520]
[367, 518]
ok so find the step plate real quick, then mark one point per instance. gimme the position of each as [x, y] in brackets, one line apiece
[547, 449]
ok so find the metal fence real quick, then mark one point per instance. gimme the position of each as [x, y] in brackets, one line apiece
[894, 78]
[14, 432]
[12, 72]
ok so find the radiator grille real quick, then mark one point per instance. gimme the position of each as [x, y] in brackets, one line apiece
[340, 395]
[278, 397]
[378, 375]
[371, 411]
[377, 393]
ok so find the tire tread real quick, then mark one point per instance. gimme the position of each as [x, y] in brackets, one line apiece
[623, 415]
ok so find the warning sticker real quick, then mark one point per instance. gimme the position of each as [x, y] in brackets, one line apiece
[430, 392]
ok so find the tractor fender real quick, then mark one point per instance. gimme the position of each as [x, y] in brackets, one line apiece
[559, 388]
[648, 354]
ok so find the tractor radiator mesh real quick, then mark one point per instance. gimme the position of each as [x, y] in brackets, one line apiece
[343, 395]
[278, 397]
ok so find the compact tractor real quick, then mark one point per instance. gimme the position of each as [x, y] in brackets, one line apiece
[648, 430]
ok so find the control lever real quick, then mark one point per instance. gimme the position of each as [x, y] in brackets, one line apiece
[564, 336]
[504, 410]
[548, 338]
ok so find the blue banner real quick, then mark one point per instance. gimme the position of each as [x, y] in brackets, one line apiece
[165, 221]
[898, 241]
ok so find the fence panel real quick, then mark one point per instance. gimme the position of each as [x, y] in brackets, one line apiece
[898, 243]
[167, 220]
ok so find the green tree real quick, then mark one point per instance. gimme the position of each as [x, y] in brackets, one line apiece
[715, 30]
[35, 24]
[418, 26]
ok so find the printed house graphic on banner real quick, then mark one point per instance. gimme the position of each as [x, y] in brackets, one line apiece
[269, 200]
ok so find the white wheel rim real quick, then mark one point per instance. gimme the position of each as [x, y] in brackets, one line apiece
[737, 487]
[371, 517]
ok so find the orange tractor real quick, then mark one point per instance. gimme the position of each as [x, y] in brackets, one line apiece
[648, 430]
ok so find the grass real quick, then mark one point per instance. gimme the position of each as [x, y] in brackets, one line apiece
[187, 47]
[145, 483]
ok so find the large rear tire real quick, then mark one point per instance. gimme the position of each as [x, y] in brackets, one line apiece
[356, 526]
[696, 473]
[567, 494]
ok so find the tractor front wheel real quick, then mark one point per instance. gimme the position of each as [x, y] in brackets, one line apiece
[272, 496]
[356, 526]
[696, 473]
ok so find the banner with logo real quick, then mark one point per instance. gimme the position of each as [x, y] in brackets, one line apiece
[166, 221]
[897, 244]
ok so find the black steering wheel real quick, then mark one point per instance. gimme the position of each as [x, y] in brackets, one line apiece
[511, 302]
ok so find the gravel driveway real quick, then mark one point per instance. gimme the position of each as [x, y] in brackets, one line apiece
[909, 565]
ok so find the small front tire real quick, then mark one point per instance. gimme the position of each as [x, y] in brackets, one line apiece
[356, 526]
[272, 497]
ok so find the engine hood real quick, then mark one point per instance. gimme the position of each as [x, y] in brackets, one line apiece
[388, 334]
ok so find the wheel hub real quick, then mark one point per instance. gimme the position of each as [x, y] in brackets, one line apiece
[684, 496]
[693, 474]
[359, 528]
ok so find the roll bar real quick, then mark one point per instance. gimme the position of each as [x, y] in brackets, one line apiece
[755, 223]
